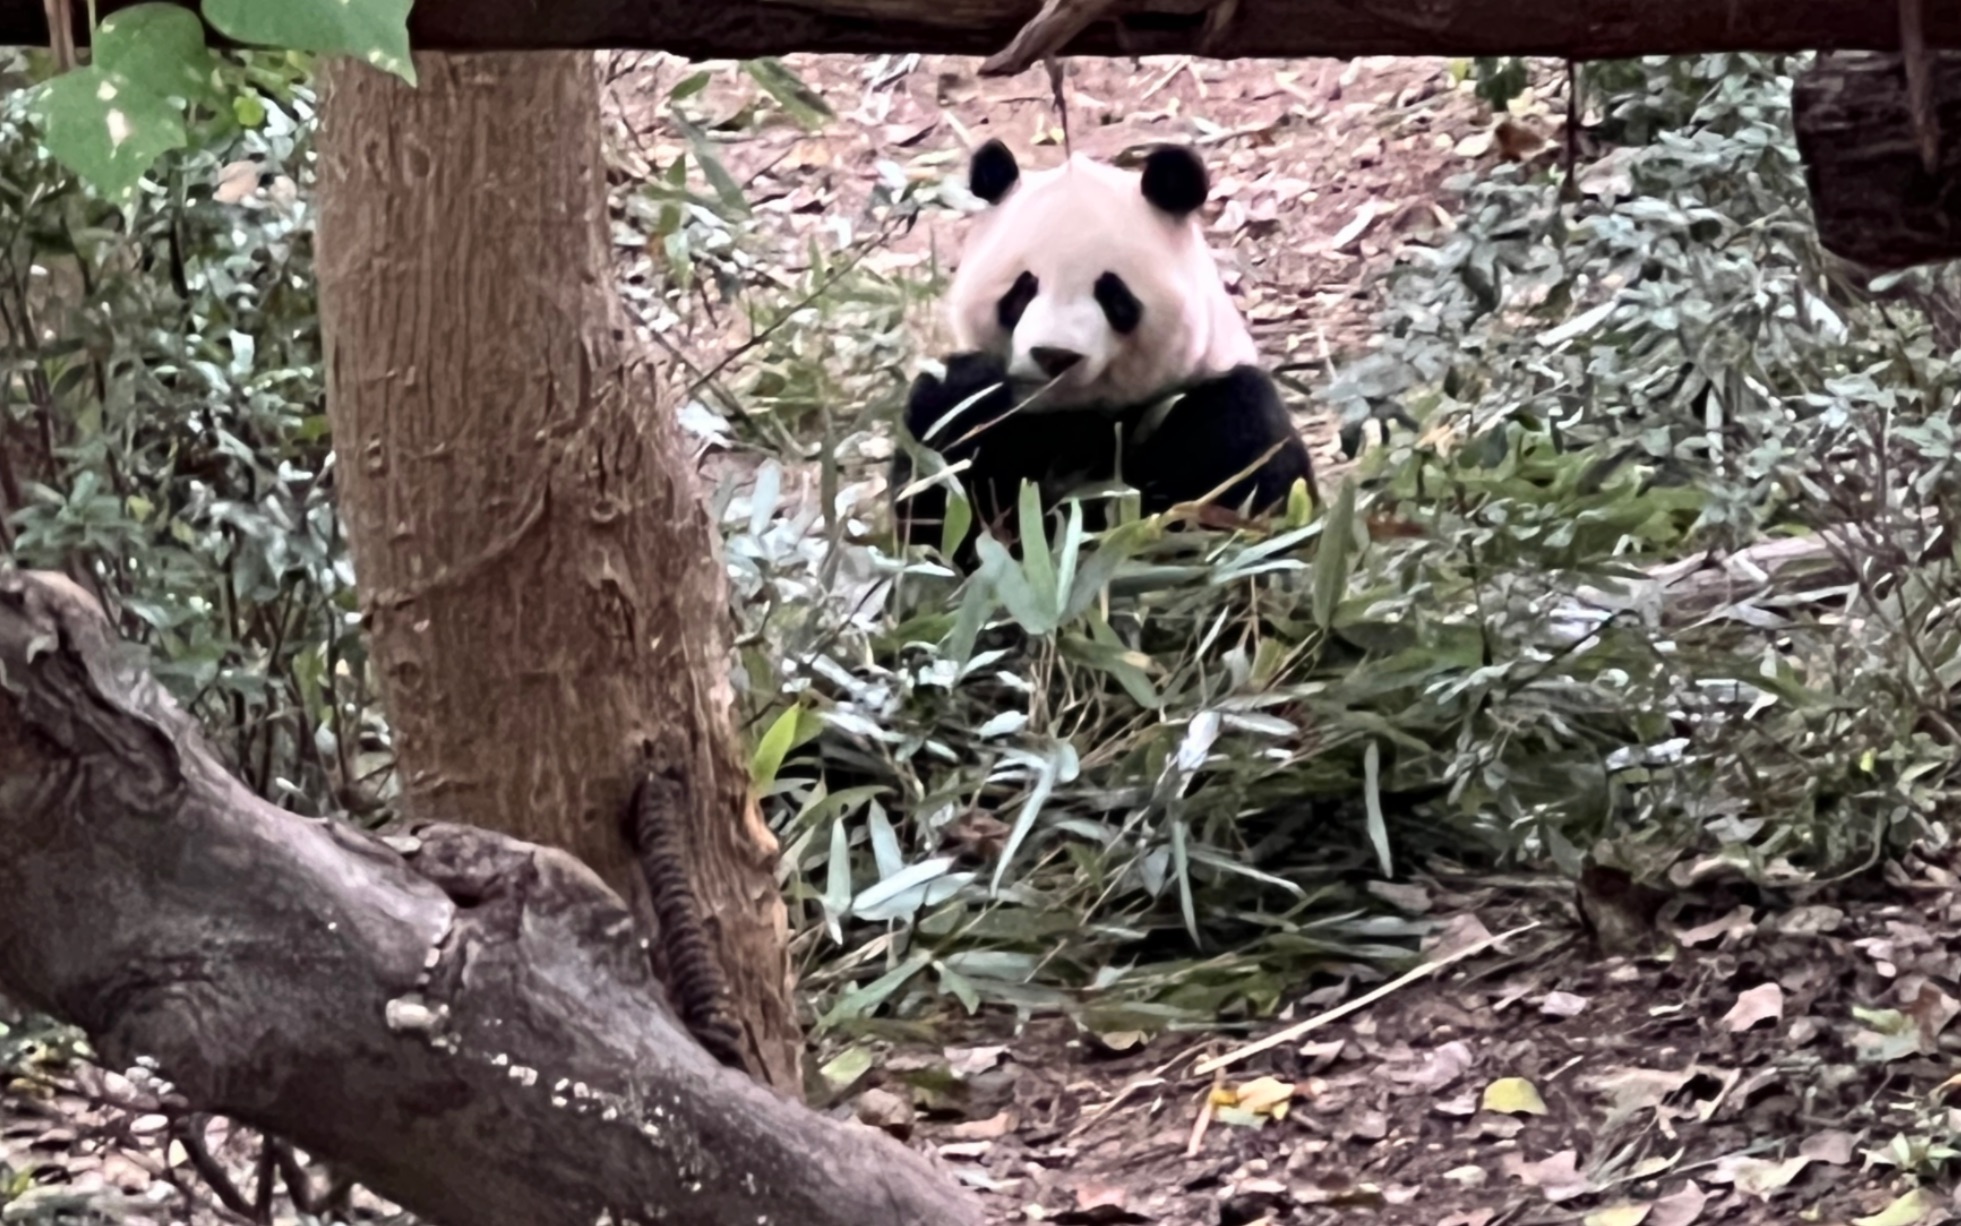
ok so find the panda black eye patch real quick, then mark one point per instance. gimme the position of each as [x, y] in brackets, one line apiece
[1120, 306]
[1016, 300]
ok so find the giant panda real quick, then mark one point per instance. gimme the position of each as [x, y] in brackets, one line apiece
[1096, 340]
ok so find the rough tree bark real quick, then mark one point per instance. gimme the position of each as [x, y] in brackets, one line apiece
[1875, 201]
[1561, 29]
[540, 582]
[459, 1017]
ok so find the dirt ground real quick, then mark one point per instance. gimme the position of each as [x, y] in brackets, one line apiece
[1763, 1064]
[1766, 1060]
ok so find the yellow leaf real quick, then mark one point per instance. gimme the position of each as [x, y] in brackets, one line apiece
[1905, 1211]
[1223, 1096]
[1264, 1094]
[1513, 1095]
[1618, 1215]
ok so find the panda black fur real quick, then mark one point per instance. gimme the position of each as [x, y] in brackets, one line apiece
[1087, 296]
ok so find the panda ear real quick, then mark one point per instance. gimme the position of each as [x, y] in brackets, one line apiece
[992, 172]
[1175, 180]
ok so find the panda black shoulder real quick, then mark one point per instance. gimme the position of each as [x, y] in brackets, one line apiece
[1216, 429]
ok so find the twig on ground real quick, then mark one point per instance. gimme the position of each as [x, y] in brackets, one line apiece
[1367, 998]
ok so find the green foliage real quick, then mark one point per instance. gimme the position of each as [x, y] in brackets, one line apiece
[110, 120]
[1499, 78]
[1142, 774]
[167, 438]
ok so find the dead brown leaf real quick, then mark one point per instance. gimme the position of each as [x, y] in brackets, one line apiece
[1558, 1177]
[1833, 1146]
[1562, 1004]
[1763, 1003]
[1679, 1208]
[997, 1125]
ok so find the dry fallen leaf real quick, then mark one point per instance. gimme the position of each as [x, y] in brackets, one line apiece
[1562, 1004]
[1756, 1176]
[967, 1061]
[1413, 898]
[993, 1126]
[883, 1109]
[1517, 141]
[1619, 1215]
[1763, 1003]
[1093, 1195]
[1558, 1176]
[1265, 1096]
[1833, 1146]
[1440, 1067]
[1736, 923]
[1513, 1095]
[1907, 1210]
[1116, 1042]
[1460, 931]
[1356, 226]
[1320, 1055]
[1681, 1208]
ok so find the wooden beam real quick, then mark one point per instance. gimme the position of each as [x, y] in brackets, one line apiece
[1875, 200]
[1567, 29]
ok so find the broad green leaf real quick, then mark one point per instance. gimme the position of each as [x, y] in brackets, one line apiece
[953, 528]
[1127, 666]
[727, 190]
[804, 104]
[1058, 765]
[959, 985]
[909, 889]
[1372, 798]
[690, 85]
[1181, 870]
[771, 750]
[105, 130]
[158, 49]
[1072, 547]
[1011, 584]
[860, 1001]
[886, 853]
[1332, 555]
[837, 883]
[1037, 564]
[373, 30]
[842, 1070]
[976, 605]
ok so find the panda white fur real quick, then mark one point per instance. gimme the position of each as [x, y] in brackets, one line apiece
[1084, 301]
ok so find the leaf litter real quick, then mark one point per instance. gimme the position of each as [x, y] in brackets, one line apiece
[1679, 1095]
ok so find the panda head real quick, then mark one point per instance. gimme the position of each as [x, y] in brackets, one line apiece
[1095, 277]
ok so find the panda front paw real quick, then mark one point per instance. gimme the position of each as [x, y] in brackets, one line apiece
[973, 391]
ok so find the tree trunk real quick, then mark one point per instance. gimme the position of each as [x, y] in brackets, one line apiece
[1875, 200]
[541, 586]
[455, 1016]
[1289, 29]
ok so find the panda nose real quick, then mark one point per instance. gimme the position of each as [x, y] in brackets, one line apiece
[1054, 361]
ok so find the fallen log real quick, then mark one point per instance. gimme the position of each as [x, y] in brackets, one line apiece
[466, 1022]
[1559, 29]
[1875, 200]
